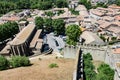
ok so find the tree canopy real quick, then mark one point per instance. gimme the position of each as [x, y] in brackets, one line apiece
[58, 26]
[73, 32]
[61, 3]
[48, 24]
[8, 29]
[4, 63]
[105, 72]
[87, 3]
[39, 22]
[117, 2]
[89, 68]
[8, 5]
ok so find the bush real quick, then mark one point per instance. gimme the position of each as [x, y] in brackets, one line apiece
[113, 38]
[87, 56]
[53, 65]
[71, 42]
[4, 63]
[89, 68]
[105, 70]
[18, 61]
[74, 12]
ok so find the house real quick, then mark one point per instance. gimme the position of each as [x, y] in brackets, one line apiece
[82, 10]
[10, 18]
[91, 38]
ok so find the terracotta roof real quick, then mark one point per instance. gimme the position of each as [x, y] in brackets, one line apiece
[108, 18]
[30, 19]
[12, 18]
[116, 51]
[104, 25]
[96, 12]
[117, 17]
[114, 29]
[114, 6]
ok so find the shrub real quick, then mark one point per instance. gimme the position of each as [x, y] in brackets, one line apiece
[105, 70]
[18, 61]
[74, 12]
[4, 63]
[113, 38]
[53, 65]
[87, 56]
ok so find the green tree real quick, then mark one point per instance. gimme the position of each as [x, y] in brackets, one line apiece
[39, 22]
[117, 2]
[23, 4]
[8, 29]
[73, 32]
[89, 68]
[6, 7]
[74, 12]
[59, 26]
[4, 63]
[48, 24]
[49, 13]
[105, 69]
[18, 61]
[101, 76]
[87, 3]
[90, 74]
[87, 56]
[61, 3]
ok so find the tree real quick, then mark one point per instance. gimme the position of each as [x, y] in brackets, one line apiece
[87, 3]
[49, 13]
[74, 12]
[59, 26]
[101, 76]
[87, 56]
[48, 24]
[73, 32]
[18, 61]
[90, 74]
[61, 3]
[105, 70]
[4, 63]
[23, 4]
[117, 2]
[8, 29]
[39, 22]
[6, 7]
